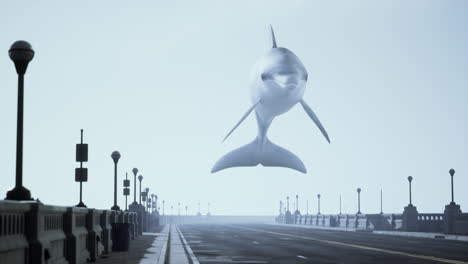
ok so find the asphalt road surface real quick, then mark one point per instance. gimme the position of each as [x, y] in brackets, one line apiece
[261, 243]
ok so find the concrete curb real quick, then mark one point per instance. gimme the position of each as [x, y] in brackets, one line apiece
[192, 258]
[377, 232]
[423, 235]
[165, 248]
[318, 227]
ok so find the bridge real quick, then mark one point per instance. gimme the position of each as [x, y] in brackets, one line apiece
[33, 232]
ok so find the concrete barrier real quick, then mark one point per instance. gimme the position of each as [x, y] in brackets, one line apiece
[106, 231]
[76, 235]
[93, 225]
[13, 241]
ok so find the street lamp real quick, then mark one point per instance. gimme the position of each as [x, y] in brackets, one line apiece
[21, 53]
[297, 203]
[140, 178]
[178, 209]
[340, 203]
[287, 203]
[126, 190]
[452, 172]
[186, 210]
[359, 200]
[115, 156]
[318, 197]
[163, 202]
[147, 197]
[381, 202]
[135, 171]
[410, 179]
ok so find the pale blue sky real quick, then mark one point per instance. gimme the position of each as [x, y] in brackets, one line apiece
[164, 81]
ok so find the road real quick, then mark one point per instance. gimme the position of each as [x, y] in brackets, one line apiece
[262, 243]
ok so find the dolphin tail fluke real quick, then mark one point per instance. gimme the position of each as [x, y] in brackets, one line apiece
[257, 152]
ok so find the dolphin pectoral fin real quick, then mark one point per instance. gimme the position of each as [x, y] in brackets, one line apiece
[242, 119]
[314, 118]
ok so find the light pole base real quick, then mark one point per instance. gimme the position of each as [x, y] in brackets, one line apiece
[19, 194]
[115, 208]
[81, 204]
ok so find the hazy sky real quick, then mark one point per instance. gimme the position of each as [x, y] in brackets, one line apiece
[164, 81]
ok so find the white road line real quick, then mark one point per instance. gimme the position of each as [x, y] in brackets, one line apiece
[393, 252]
[302, 257]
[255, 242]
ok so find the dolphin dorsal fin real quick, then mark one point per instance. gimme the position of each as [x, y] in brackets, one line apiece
[273, 39]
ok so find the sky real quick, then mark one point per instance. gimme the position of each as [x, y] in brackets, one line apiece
[164, 81]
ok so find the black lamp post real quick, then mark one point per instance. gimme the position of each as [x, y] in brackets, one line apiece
[318, 197]
[156, 202]
[81, 174]
[21, 53]
[135, 171]
[410, 179]
[143, 199]
[452, 172]
[359, 200]
[140, 178]
[163, 202]
[126, 184]
[147, 197]
[115, 156]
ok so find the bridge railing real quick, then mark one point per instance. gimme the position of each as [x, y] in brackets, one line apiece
[31, 232]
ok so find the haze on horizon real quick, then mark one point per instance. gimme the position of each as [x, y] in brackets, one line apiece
[163, 82]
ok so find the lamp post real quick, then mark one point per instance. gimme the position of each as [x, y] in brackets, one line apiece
[186, 210]
[340, 203]
[287, 203]
[452, 172]
[147, 197]
[140, 178]
[297, 203]
[307, 207]
[359, 200]
[126, 190]
[163, 202]
[21, 53]
[115, 156]
[318, 197]
[410, 179]
[81, 174]
[143, 199]
[135, 171]
[381, 202]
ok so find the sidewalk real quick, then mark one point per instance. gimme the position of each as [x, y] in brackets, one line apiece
[391, 233]
[148, 248]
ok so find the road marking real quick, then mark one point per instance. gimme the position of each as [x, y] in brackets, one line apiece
[255, 242]
[432, 258]
[302, 257]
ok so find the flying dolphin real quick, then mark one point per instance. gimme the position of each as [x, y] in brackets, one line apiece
[278, 81]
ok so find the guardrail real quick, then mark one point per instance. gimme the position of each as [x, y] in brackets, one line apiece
[31, 232]
[434, 223]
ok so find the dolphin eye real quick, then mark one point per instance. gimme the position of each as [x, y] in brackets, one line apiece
[265, 77]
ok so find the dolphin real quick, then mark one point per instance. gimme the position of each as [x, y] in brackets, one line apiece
[278, 81]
